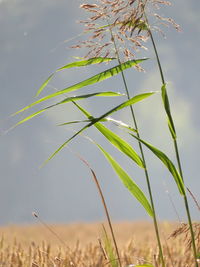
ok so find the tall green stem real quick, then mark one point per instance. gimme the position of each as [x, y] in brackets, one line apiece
[176, 151]
[142, 155]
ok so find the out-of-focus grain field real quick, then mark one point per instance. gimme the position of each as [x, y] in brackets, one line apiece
[35, 245]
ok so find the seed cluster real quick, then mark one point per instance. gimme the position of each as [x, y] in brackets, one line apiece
[120, 26]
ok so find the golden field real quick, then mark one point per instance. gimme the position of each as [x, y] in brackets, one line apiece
[77, 245]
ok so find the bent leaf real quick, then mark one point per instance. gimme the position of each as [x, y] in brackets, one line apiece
[168, 163]
[92, 80]
[114, 139]
[108, 119]
[69, 99]
[128, 182]
[120, 144]
[168, 111]
[121, 124]
[131, 101]
[81, 63]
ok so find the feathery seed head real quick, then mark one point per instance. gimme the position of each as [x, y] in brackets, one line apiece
[120, 26]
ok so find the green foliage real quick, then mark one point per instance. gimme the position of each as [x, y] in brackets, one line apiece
[128, 182]
[168, 163]
[168, 112]
[81, 63]
[69, 99]
[92, 80]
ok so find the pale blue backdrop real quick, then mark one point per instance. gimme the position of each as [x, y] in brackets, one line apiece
[33, 44]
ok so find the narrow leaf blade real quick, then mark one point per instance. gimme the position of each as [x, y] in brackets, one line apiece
[133, 155]
[44, 84]
[114, 139]
[69, 99]
[81, 63]
[168, 111]
[92, 80]
[128, 182]
[86, 62]
[168, 163]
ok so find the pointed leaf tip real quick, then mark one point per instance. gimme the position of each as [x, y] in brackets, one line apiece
[81, 63]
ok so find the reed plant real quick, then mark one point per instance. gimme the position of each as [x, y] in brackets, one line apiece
[116, 31]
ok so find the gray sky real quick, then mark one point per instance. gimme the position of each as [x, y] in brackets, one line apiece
[32, 45]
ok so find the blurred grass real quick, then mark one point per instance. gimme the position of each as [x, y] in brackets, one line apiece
[34, 245]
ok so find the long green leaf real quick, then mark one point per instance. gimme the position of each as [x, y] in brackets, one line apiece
[133, 100]
[168, 163]
[108, 119]
[114, 139]
[128, 182]
[120, 124]
[92, 80]
[120, 144]
[66, 100]
[81, 63]
[168, 111]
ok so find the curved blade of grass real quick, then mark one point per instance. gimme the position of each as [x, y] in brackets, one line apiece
[131, 101]
[120, 144]
[168, 112]
[92, 80]
[81, 63]
[108, 119]
[73, 122]
[69, 99]
[121, 124]
[168, 163]
[114, 139]
[128, 182]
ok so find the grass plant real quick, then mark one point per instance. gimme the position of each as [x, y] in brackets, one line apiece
[117, 29]
[173, 136]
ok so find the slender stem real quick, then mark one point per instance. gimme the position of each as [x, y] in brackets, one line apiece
[108, 216]
[142, 155]
[176, 150]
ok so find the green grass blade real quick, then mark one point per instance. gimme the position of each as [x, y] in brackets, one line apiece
[73, 122]
[168, 112]
[86, 62]
[114, 139]
[81, 63]
[168, 163]
[121, 124]
[120, 144]
[133, 155]
[69, 99]
[108, 119]
[109, 249]
[92, 80]
[128, 182]
[44, 84]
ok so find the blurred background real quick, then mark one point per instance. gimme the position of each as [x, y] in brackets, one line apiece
[35, 37]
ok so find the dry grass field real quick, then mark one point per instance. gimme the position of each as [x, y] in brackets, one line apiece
[36, 245]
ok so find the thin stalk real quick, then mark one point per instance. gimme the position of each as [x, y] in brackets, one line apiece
[142, 155]
[104, 205]
[108, 216]
[175, 148]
